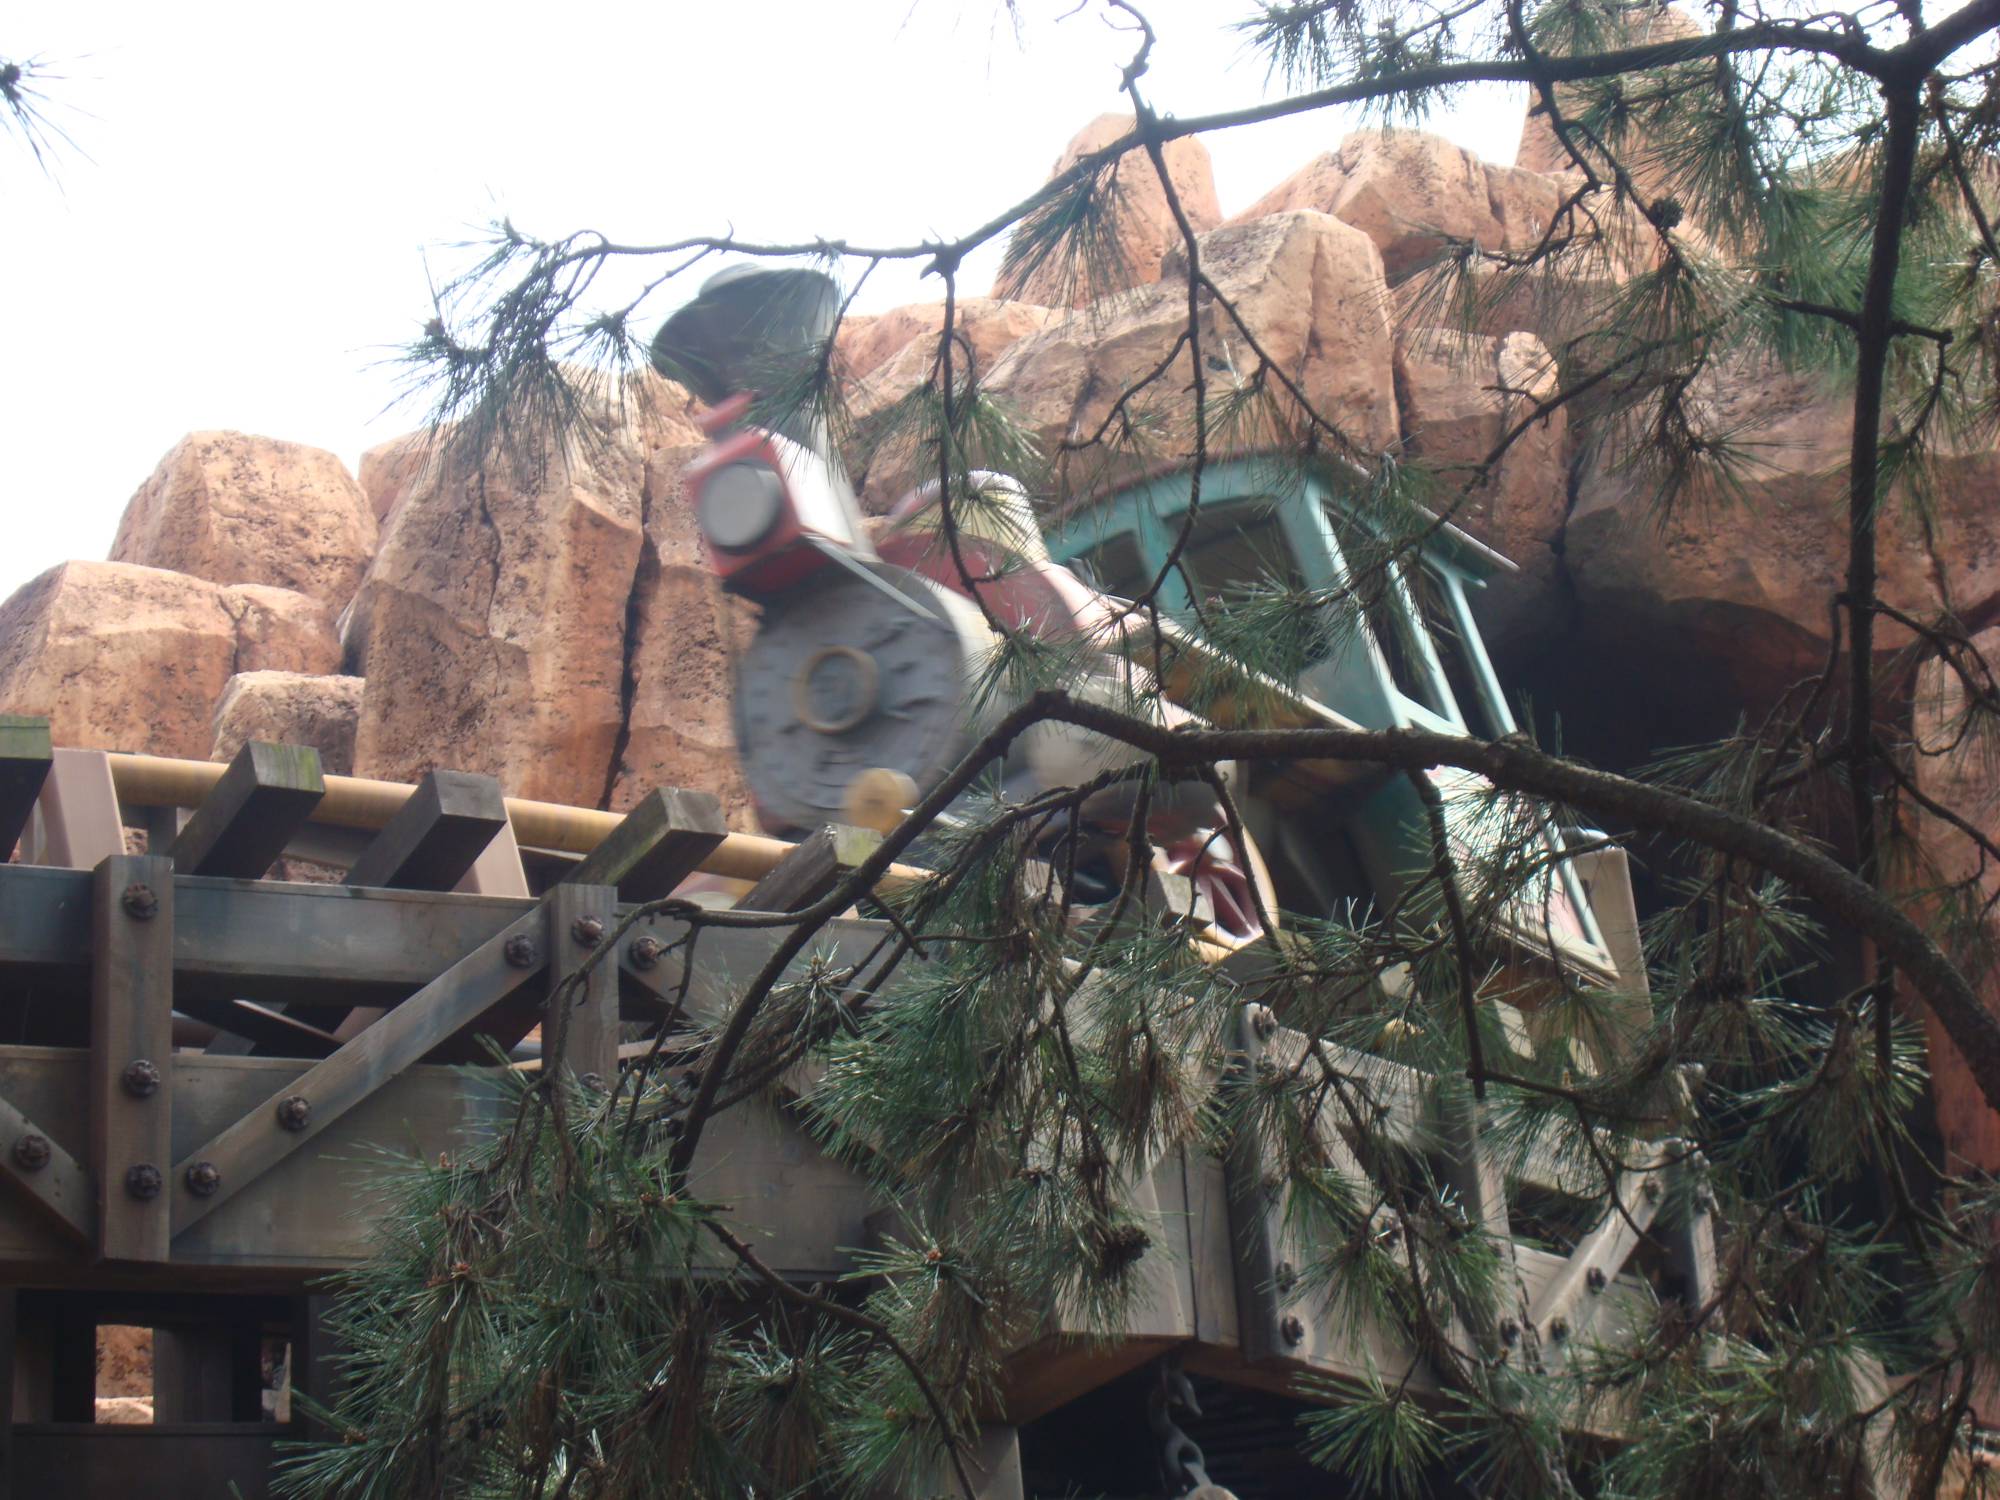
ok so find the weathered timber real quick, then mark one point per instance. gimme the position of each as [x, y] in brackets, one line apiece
[485, 978]
[580, 918]
[208, 1370]
[75, 822]
[265, 1028]
[816, 864]
[1469, 1168]
[131, 1054]
[46, 1174]
[25, 757]
[436, 837]
[1568, 1302]
[243, 825]
[658, 845]
[158, 1460]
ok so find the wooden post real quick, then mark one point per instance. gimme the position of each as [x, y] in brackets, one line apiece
[433, 839]
[815, 866]
[76, 822]
[580, 916]
[243, 825]
[659, 844]
[25, 756]
[132, 1054]
[317, 1371]
[210, 1371]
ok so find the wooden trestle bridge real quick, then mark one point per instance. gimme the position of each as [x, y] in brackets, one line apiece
[198, 1064]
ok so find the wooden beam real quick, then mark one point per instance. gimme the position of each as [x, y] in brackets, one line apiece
[489, 975]
[132, 1055]
[579, 917]
[76, 822]
[658, 845]
[47, 1175]
[813, 868]
[435, 837]
[268, 1029]
[243, 825]
[25, 758]
[1566, 1302]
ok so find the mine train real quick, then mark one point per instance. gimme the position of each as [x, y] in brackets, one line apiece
[869, 647]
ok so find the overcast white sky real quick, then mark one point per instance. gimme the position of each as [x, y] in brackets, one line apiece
[241, 231]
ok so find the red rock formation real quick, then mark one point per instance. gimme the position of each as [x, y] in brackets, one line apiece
[238, 509]
[290, 708]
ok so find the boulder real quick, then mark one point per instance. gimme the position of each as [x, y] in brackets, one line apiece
[1141, 222]
[1307, 285]
[121, 657]
[1461, 395]
[390, 470]
[680, 659]
[233, 508]
[290, 708]
[1742, 577]
[1413, 194]
[1962, 772]
[989, 326]
[491, 625]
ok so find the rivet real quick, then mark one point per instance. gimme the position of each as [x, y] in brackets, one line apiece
[1287, 1276]
[32, 1152]
[1292, 1329]
[203, 1178]
[587, 930]
[1264, 1021]
[141, 1078]
[591, 1081]
[646, 951]
[1559, 1330]
[1650, 1190]
[1510, 1332]
[1594, 1278]
[144, 1181]
[140, 901]
[520, 951]
[294, 1111]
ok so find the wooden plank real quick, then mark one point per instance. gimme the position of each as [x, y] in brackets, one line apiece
[498, 871]
[433, 839]
[131, 1054]
[1564, 1306]
[243, 825]
[25, 758]
[249, 1027]
[162, 1462]
[76, 822]
[658, 845]
[453, 1001]
[209, 1370]
[579, 917]
[59, 1187]
[815, 866]
[1476, 1179]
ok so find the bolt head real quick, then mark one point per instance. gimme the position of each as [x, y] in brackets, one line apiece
[1292, 1329]
[1650, 1190]
[1264, 1021]
[646, 951]
[1510, 1332]
[32, 1151]
[203, 1178]
[1559, 1330]
[294, 1111]
[141, 1078]
[140, 901]
[144, 1181]
[1286, 1276]
[592, 1081]
[587, 931]
[1594, 1279]
[520, 951]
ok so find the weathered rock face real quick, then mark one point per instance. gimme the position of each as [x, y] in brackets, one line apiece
[1143, 226]
[1412, 194]
[290, 708]
[1309, 287]
[680, 658]
[1770, 556]
[233, 508]
[1461, 396]
[491, 625]
[390, 470]
[1961, 772]
[128, 658]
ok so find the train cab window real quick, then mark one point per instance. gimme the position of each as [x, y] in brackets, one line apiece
[1115, 566]
[1454, 655]
[1231, 552]
[1383, 598]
